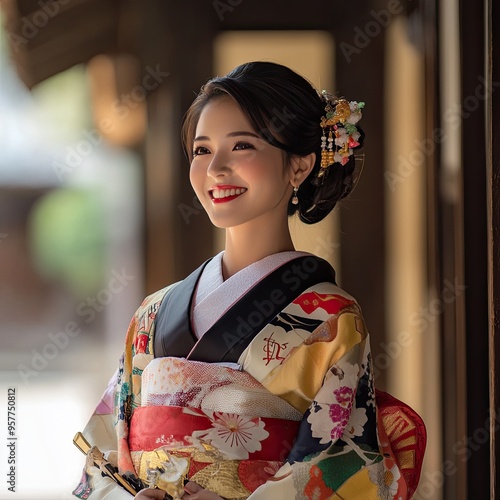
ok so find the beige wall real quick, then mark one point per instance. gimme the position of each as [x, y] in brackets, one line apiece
[414, 373]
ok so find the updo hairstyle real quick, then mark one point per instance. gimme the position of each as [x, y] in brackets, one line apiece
[285, 110]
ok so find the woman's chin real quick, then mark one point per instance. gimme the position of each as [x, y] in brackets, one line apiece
[223, 222]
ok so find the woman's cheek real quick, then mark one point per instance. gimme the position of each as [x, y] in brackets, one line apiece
[197, 177]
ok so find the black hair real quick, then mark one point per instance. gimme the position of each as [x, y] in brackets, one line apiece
[285, 110]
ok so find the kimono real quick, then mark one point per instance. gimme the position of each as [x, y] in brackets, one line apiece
[259, 387]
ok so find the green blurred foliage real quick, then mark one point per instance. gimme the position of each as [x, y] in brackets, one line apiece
[67, 233]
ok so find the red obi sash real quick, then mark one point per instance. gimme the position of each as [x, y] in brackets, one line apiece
[237, 437]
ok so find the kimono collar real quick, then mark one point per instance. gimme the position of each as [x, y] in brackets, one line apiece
[214, 296]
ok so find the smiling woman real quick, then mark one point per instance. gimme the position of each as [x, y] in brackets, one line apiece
[234, 158]
[252, 378]
[243, 183]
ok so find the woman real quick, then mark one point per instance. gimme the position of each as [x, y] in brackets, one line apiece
[252, 377]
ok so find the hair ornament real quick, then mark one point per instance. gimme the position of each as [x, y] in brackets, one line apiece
[340, 134]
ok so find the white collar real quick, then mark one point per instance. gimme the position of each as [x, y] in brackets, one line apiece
[214, 296]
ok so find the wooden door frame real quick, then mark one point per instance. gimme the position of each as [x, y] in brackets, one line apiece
[467, 249]
[492, 39]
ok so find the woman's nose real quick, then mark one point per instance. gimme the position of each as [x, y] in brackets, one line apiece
[219, 166]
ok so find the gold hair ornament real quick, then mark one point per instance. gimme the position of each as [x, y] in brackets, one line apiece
[340, 134]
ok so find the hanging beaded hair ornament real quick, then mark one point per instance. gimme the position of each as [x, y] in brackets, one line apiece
[340, 134]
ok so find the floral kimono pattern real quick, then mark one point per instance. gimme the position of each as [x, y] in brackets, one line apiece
[298, 420]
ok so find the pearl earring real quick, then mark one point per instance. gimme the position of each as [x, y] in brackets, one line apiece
[295, 200]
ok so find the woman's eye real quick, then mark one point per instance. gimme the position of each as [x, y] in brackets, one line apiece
[200, 150]
[243, 145]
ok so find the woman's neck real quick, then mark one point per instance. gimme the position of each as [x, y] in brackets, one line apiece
[246, 244]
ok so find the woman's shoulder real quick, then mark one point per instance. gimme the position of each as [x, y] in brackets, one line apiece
[327, 295]
[329, 287]
[152, 302]
[139, 335]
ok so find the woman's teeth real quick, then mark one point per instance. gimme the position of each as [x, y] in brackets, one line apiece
[224, 193]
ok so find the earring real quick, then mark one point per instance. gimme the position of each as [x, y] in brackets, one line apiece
[295, 200]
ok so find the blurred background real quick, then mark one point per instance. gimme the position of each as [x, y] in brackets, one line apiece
[96, 210]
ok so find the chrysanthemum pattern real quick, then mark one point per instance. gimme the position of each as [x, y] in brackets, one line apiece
[235, 436]
[337, 441]
[386, 479]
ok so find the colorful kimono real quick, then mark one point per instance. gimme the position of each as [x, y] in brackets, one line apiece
[260, 387]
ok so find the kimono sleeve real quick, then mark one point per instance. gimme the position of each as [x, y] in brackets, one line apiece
[100, 432]
[137, 354]
[107, 428]
[336, 451]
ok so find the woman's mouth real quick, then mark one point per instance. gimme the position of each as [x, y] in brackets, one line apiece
[223, 194]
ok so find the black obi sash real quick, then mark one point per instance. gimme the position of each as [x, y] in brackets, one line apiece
[237, 327]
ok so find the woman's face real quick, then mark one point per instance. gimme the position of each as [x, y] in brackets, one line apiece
[237, 176]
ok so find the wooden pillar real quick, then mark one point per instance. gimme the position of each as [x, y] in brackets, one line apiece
[178, 234]
[362, 213]
[472, 28]
[493, 199]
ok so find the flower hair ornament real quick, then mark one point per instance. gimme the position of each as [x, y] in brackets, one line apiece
[340, 134]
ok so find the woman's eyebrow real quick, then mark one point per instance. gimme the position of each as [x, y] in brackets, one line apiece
[201, 138]
[245, 133]
[231, 134]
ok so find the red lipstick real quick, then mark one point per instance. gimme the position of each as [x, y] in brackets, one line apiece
[223, 193]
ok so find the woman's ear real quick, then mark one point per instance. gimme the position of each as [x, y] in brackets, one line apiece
[300, 167]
